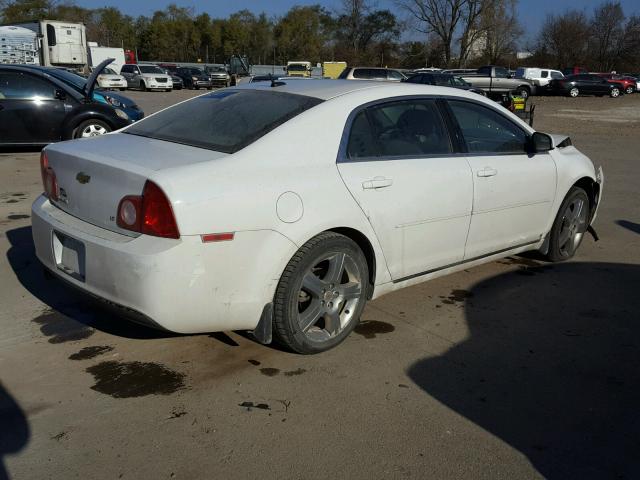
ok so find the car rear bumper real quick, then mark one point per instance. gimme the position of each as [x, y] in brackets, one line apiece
[182, 285]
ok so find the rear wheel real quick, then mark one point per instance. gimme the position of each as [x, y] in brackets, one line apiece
[615, 92]
[574, 92]
[569, 226]
[143, 86]
[91, 128]
[523, 92]
[321, 294]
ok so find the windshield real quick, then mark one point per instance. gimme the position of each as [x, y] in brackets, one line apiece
[69, 78]
[150, 69]
[459, 82]
[108, 71]
[297, 67]
[225, 121]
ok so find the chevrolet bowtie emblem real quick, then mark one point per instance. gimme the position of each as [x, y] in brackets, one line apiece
[83, 178]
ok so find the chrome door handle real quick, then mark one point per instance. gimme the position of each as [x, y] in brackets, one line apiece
[487, 172]
[377, 182]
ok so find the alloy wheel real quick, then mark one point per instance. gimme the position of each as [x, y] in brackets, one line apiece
[574, 92]
[93, 130]
[574, 220]
[328, 296]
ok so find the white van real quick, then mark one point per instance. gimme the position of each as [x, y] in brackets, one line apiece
[540, 77]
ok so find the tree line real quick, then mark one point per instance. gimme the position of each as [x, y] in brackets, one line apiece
[453, 33]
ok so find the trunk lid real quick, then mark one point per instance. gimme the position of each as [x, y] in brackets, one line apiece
[95, 174]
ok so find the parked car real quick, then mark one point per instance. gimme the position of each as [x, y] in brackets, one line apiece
[636, 77]
[218, 76]
[40, 105]
[176, 81]
[444, 80]
[627, 84]
[170, 233]
[146, 77]
[574, 71]
[584, 84]
[497, 80]
[110, 79]
[194, 78]
[370, 73]
[540, 77]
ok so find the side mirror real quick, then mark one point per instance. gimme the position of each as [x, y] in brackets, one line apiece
[541, 142]
[60, 94]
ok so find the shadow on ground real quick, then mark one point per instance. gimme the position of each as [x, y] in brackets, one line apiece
[633, 226]
[551, 367]
[14, 429]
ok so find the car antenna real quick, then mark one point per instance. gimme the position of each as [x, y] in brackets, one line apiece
[273, 81]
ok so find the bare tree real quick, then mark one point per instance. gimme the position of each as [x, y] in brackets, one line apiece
[607, 33]
[500, 22]
[438, 17]
[564, 38]
[473, 30]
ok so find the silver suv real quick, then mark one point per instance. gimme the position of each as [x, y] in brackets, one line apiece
[372, 73]
[146, 77]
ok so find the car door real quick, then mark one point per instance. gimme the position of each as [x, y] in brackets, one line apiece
[513, 189]
[398, 164]
[500, 81]
[30, 111]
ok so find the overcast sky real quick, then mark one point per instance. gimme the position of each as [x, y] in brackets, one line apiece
[532, 12]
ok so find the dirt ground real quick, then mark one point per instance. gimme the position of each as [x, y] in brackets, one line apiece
[513, 370]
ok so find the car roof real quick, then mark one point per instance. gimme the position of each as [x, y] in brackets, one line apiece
[325, 89]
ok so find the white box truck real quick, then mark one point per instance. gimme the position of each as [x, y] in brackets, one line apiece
[59, 44]
[98, 54]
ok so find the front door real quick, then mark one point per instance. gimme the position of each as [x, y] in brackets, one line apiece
[30, 113]
[513, 189]
[399, 166]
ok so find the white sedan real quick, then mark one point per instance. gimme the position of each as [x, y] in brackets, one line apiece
[110, 79]
[282, 207]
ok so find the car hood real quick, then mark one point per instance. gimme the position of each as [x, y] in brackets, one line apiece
[110, 76]
[155, 75]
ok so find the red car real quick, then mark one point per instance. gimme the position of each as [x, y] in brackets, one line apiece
[628, 83]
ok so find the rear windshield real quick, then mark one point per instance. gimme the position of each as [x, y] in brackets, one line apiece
[225, 121]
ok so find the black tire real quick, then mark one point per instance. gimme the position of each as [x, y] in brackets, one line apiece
[122, 89]
[574, 92]
[558, 249]
[629, 90]
[523, 92]
[78, 131]
[315, 260]
[143, 86]
[615, 92]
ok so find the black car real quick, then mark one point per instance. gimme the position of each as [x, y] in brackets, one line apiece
[584, 84]
[177, 82]
[444, 80]
[40, 105]
[193, 78]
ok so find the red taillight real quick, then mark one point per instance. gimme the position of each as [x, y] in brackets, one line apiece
[49, 181]
[149, 213]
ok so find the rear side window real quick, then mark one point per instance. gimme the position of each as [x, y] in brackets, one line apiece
[544, 74]
[487, 131]
[556, 75]
[22, 86]
[398, 129]
[224, 121]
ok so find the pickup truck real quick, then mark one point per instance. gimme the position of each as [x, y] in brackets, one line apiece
[498, 80]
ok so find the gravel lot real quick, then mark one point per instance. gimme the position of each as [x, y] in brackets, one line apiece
[513, 370]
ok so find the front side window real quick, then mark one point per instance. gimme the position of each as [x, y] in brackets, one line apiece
[22, 86]
[398, 129]
[487, 131]
[501, 72]
[393, 75]
[224, 121]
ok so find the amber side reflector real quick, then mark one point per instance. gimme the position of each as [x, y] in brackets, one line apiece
[217, 237]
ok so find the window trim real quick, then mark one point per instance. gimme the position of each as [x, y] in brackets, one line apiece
[343, 156]
[42, 78]
[458, 144]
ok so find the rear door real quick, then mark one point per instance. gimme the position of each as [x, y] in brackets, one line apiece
[399, 166]
[29, 110]
[513, 190]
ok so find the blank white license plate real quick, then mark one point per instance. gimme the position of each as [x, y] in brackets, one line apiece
[69, 254]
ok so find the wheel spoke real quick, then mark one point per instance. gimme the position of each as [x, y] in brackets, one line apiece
[309, 317]
[565, 233]
[332, 323]
[336, 267]
[351, 290]
[313, 284]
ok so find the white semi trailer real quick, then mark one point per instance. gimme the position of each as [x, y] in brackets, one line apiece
[58, 44]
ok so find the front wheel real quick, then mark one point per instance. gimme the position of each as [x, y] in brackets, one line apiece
[143, 86]
[569, 226]
[91, 128]
[629, 90]
[321, 294]
[615, 92]
[523, 92]
[574, 92]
